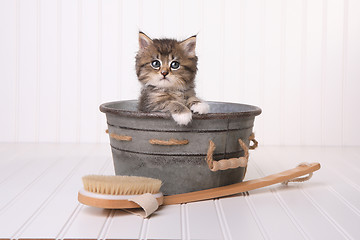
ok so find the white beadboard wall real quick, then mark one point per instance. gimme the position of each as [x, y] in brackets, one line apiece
[298, 60]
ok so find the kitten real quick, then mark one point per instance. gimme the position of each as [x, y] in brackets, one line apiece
[166, 68]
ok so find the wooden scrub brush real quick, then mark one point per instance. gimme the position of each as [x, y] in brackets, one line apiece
[118, 192]
[121, 192]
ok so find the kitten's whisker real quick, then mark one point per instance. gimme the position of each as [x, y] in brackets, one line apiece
[180, 83]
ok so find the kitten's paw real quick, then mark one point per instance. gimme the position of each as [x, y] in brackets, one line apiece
[182, 118]
[201, 108]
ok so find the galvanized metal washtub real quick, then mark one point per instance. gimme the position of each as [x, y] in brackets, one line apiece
[182, 168]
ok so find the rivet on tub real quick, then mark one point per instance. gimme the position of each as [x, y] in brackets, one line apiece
[225, 164]
[119, 137]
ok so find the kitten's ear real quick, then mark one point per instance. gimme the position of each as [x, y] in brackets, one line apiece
[189, 45]
[144, 41]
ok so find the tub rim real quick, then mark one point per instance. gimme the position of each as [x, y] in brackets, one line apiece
[254, 111]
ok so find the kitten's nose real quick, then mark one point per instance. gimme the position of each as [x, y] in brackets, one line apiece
[164, 73]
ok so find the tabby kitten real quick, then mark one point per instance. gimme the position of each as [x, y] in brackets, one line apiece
[166, 68]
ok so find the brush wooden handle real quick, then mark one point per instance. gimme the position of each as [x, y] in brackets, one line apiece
[110, 203]
[241, 187]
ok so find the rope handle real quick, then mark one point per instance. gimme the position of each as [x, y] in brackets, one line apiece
[225, 164]
[171, 142]
[300, 179]
[253, 140]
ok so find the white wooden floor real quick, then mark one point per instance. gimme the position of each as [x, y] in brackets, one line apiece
[39, 184]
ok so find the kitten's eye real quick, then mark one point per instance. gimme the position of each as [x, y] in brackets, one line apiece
[155, 64]
[175, 65]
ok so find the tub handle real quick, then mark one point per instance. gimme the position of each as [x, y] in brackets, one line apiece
[225, 164]
[253, 140]
[171, 142]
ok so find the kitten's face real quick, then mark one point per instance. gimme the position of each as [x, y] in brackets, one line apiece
[166, 63]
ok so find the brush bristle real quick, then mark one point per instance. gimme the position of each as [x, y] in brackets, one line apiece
[121, 185]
